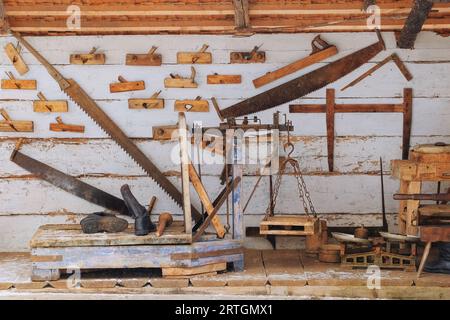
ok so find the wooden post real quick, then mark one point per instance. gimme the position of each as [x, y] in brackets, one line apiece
[412, 214]
[413, 24]
[407, 119]
[330, 127]
[182, 131]
[238, 219]
[241, 16]
[3, 21]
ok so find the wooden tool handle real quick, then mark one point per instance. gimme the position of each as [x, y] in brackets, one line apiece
[151, 205]
[165, 220]
[152, 50]
[5, 115]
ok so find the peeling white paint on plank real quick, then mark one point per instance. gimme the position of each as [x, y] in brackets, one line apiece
[278, 47]
[104, 157]
[95, 80]
[430, 117]
[347, 193]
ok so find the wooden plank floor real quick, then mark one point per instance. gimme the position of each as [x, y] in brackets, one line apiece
[267, 272]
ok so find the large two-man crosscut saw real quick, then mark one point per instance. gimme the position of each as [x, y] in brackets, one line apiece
[88, 105]
[306, 83]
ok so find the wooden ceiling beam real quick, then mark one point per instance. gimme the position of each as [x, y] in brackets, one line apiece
[3, 19]
[241, 14]
[414, 23]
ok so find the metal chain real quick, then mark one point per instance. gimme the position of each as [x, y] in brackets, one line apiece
[301, 184]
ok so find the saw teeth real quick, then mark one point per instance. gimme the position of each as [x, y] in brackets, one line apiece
[98, 124]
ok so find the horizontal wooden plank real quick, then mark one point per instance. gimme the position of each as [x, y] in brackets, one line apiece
[63, 237]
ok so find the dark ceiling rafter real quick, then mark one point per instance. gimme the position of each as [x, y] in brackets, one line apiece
[414, 23]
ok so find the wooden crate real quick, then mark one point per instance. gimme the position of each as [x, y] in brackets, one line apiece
[289, 225]
[55, 248]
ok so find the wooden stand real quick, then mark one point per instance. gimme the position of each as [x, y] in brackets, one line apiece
[60, 247]
[427, 163]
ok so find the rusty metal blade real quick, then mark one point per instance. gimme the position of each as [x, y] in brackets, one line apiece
[305, 84]
[69, 183]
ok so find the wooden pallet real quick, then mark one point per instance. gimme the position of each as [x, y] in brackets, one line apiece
[59, 247]
[289, 225]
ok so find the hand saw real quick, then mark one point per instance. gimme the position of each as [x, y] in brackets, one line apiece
[88, 105]
[68, 183]
[305, 84]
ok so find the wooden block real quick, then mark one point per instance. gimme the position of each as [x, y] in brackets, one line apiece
[62, 127]
[88, 59]
[5, 285]
[295, 66]
[143, 59]
[224, 79]
[191, 106]
[16, 59]
[434, 210]
[30, 285]
[244, 57]
[194, 270]
[206, 281]
[16, 126]
[98, 283]
[194, 58]
[126, 86]
[18, 84]
[134, 282]
[146, 104]
[435, 233]
[179, 83]
[169, 283]
[165, 132]
[50, 106]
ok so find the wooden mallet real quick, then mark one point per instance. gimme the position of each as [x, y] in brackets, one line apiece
[165, 220]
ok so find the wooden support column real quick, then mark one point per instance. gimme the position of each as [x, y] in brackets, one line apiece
[407, 119]
[330, 127]
[412, 216]
[3, 21]
[401, 219]
[413, 24]
[241, 16]
[238, 215]
[182, 134]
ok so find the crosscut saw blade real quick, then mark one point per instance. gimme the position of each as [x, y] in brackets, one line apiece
[69, 183]
[90, 107]
[304, 84]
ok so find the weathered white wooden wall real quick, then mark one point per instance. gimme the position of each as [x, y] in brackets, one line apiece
[350, 196]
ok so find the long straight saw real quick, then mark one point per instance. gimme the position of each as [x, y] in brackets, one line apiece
[88, 105]
[306, 83]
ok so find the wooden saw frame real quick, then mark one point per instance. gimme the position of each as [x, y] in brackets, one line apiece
[331, 108]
